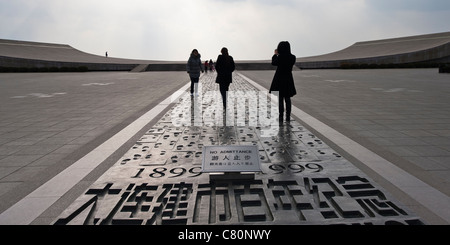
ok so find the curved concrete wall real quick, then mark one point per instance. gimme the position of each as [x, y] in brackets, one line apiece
[37, 55]
[19, 54]
[432, 48]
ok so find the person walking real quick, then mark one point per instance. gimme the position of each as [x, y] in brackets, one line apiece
[283, 81]
[211, 65]
[193, 67]
[206, 67]
[224, 67]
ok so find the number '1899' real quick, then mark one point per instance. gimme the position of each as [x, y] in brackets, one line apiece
[172, 173]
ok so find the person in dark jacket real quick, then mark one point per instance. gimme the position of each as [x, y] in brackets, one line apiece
[283, 81]
[193, 67]
[224, 67]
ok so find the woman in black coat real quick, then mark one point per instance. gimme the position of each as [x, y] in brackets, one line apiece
[194, 66]
[283, 81]
[224, 67]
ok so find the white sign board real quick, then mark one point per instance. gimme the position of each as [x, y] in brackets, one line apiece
[230, 159]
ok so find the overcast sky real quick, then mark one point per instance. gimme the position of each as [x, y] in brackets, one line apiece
[250, 29]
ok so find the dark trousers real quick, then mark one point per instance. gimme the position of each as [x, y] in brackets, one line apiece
[194, 80]
[223, 87]
[281, 101]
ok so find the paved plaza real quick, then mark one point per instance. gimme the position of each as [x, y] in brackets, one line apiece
[51, 120]
[61, 155]
[303, 181]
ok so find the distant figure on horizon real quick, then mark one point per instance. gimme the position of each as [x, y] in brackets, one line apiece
[211, 65]
[206, 66]
[283, 81]
[193, 67]
[106, 54]
[224, 67]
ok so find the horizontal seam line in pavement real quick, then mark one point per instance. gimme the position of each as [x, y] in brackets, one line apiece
[34, 204]
[431, 198]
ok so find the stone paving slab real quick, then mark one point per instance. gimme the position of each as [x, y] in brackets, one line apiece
[303, 180]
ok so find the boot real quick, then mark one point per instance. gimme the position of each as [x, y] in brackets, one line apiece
[288, 111]
[280, 118]
[288, 117]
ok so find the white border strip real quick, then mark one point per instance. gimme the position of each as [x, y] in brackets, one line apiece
[33, 205]
[434, 200]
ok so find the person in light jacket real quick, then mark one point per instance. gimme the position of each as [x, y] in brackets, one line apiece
[224, 67]
[283, 81]
[194, 66]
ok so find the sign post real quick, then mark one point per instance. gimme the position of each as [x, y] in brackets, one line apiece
[231, 160]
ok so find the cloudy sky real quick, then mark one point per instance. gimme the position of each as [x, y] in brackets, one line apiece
[251, 29]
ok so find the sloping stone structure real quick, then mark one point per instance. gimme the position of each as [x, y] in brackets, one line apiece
[423, 49]
[22, 54]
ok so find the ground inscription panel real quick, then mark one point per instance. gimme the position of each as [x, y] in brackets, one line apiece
[160, 180]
